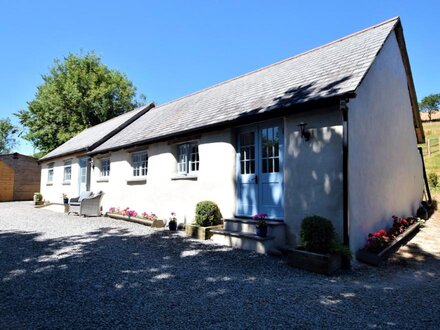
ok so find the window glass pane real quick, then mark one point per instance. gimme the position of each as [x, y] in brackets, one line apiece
[194, 158]
[105, 167]
[247, 153]
[140, 164]
[277, 165]
[67, 170]
[50, 172]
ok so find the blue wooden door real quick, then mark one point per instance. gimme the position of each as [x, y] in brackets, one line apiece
[84, 174]
[247, 177]
[260, 171]
[271, 171]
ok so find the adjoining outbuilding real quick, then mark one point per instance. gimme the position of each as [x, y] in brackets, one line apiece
[332, 132]
[19, 177]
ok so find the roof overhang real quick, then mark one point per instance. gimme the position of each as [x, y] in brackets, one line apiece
[242, 120]
[420, 134]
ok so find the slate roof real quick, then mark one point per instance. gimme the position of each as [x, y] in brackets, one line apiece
[331, 70]
[92, 136]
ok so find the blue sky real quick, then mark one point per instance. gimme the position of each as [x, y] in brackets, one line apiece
[172, 48]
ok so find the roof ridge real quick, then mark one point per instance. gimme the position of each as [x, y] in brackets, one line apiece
[108, 120]
[396, 18]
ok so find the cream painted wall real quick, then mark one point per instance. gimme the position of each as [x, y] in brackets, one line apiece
[385, 170]
[163, 195]
[53, 192]
[313, 170]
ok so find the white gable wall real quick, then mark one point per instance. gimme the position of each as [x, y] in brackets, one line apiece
[385, 170]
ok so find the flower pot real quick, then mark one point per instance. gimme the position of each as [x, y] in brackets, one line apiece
[314, 262]
[262, 231]
[172, 225]
[378, 258]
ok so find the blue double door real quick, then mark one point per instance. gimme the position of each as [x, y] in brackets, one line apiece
[260, 171]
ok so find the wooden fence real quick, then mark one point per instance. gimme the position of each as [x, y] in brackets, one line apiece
[431, 147]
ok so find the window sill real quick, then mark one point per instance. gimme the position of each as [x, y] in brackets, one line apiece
[191, 177]
[135, 180]
[102, 180]
[66, 183]
[49, 184]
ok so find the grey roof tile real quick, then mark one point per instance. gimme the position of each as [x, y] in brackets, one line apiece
[330, 70]
[93, 135]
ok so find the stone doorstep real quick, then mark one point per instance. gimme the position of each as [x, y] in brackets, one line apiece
[241, 235]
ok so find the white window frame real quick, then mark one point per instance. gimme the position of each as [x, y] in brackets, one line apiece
[50, 167]
[139, 165]
[186, 163]
[67, 174]
[104, 168]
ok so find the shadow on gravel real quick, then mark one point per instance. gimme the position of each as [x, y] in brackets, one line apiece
[112, 278]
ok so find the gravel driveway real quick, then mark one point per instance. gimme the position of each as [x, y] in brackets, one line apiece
[59, 271]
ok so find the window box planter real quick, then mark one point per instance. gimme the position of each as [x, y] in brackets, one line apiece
[376, 259]
[153, 223]
[200, 232]
[314, 262]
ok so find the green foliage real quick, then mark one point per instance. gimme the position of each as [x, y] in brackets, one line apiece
[339, 248]
[207, 214]
[317, 234]
[38, 197]
[77, 93]
[430, 104]
[7, 136]
[433, 179]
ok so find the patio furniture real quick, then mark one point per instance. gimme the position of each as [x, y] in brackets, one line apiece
[87, 204]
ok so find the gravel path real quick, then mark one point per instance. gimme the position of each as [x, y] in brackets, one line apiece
[59, 271]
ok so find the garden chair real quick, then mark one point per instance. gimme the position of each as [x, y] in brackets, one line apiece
[87, 204]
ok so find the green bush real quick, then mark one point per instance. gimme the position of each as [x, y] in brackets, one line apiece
[317, 234]
[38, 197]
[433, 179]
[208, 214]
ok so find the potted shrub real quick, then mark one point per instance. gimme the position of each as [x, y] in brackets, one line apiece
[65, 199]
[208, 217]
[38, 199]
[320, 250]
[172, 224]
[261, 226]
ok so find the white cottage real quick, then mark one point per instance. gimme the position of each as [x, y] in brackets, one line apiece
[332, 132]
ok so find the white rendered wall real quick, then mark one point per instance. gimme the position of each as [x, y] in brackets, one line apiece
[53, 191]
[385, 170]
[313, 170]
[161, 194]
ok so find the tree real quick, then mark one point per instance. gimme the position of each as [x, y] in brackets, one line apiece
[430, 104]
[79, 92]
[7, 136]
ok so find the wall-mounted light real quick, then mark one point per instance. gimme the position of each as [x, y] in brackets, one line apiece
[92, 164]
[306, 135]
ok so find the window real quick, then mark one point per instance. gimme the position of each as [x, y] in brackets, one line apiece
[270, 145]
[105, 167]
[247, 153]
[50, 172]
[67, 170]
[140, 163]
[187, 158]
